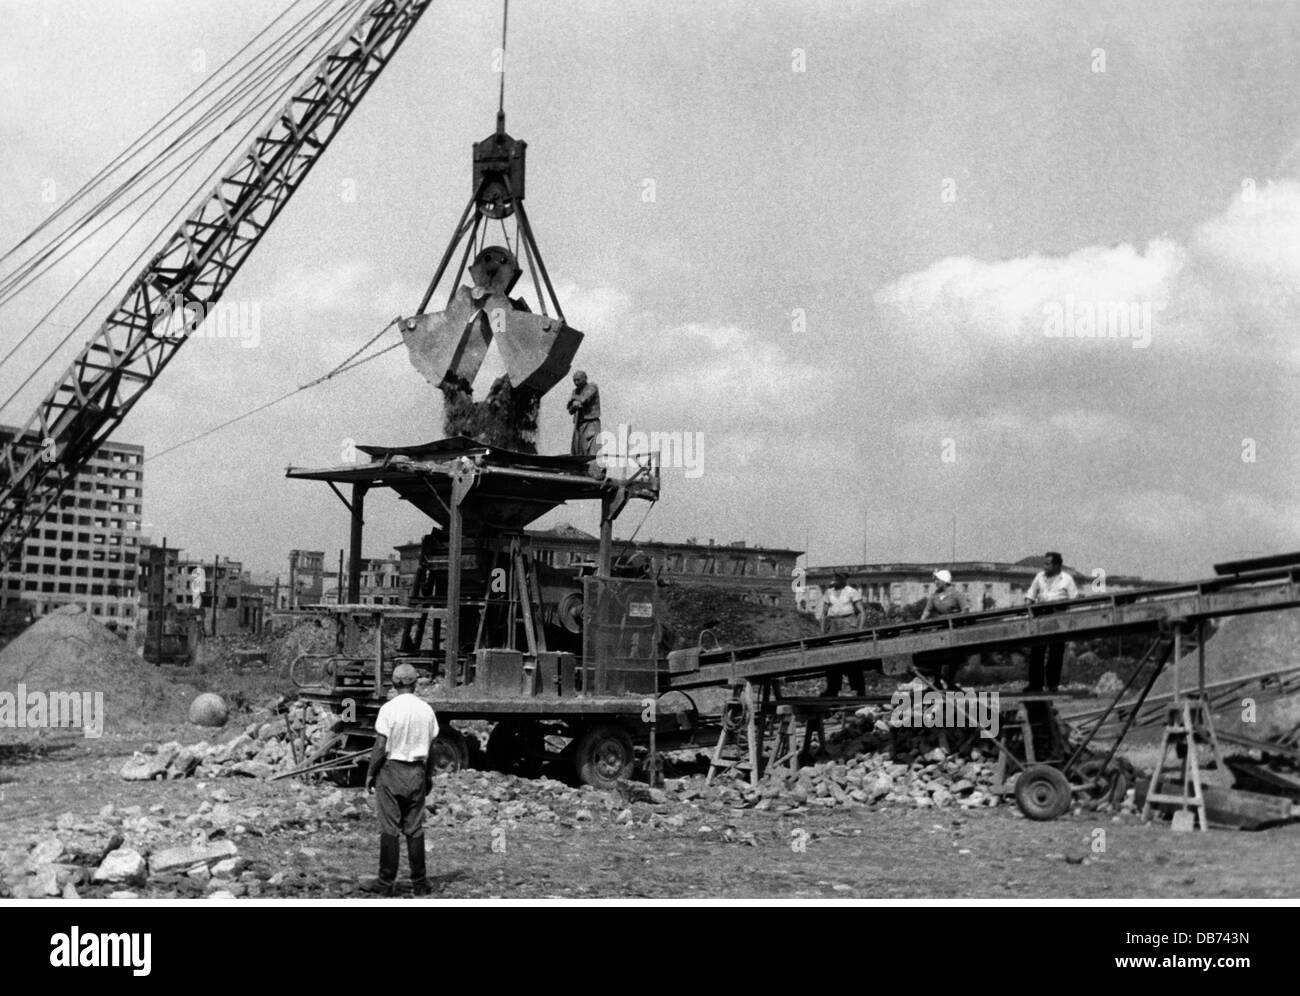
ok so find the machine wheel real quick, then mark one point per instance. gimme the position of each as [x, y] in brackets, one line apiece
[449, 751]
[514, 747]
[1042, 792]
[604, 756]
[1114, 789]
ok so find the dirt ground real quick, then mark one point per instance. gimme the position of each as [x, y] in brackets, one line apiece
[886, 851]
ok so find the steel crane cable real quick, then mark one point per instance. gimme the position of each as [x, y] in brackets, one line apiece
[156, 127]
[19, 279]
[505, 17]
[259, 99]
[341, 368]
[40, 259]
[134, 265]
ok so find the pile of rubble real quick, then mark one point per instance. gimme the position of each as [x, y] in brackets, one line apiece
[935, 779]
[274, 741]
[867, 762]
[131, 851]
[112, 855]
[68, 650]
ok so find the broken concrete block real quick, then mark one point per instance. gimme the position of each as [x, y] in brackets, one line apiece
[184, 763]
[46, 852]
[44, 882]
[145, 768]
[223, 816]
[229, 867]
[122, 865]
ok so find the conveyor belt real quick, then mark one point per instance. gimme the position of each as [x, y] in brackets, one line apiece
[1144, 610]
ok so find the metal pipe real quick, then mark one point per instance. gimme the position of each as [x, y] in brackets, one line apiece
[451, 627]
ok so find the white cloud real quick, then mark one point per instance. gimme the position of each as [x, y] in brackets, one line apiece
[1235, 283]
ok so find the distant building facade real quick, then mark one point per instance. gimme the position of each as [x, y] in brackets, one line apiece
[306, 577]
[763, 574]
[229, 601]
[381, 582]
[85, 551]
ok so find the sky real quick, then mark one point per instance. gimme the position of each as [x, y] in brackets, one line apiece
[1025, 274]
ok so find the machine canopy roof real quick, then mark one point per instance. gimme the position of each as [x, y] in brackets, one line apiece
[511, 490]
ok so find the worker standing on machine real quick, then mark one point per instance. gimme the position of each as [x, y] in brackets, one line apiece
[584, 406]
[400, 777]
[842, 611]
[946, 600]
[1051, 584]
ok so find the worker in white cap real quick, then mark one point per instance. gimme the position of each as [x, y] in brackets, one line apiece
[400, 777]
[945, 600]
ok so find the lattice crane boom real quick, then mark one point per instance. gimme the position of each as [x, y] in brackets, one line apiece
[191, 272]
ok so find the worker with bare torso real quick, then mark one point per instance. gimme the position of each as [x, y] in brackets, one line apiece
[584, 406]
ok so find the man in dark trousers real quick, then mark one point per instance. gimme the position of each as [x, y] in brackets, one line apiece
[1051, 584]
[400, 776]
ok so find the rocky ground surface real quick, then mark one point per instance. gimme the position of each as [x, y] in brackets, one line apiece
[864, 826]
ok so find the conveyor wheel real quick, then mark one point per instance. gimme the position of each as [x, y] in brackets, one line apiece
[1042, 792]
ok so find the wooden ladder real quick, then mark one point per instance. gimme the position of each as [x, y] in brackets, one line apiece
[1188, 719]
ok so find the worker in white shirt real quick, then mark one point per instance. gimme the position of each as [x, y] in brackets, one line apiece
[1051, 584]
[843, 610]
[400, 776]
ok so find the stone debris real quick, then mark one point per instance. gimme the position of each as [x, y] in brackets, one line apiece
[123, 865]
[261, 749]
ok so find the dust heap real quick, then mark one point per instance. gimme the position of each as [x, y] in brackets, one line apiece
[506, 418]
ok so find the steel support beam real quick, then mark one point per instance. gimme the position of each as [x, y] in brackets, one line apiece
[355, 537]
